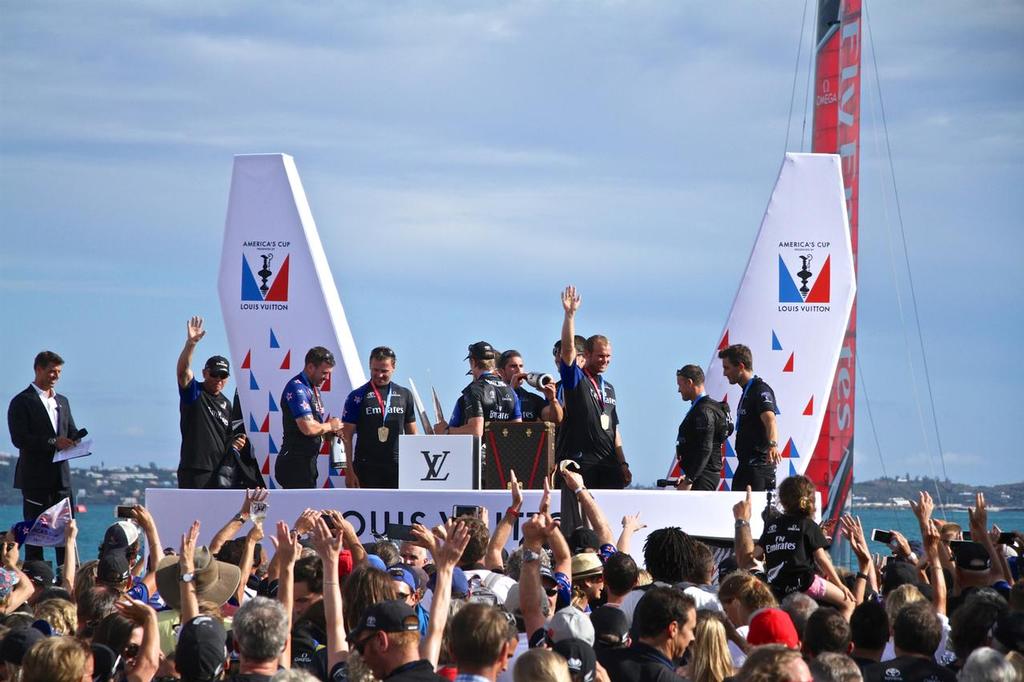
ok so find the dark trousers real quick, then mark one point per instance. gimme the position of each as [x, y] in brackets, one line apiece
[295, 471]
[193, 478]
[759, 477]
[603, 475]
[34, 502]
[373, 475]
[708, 480]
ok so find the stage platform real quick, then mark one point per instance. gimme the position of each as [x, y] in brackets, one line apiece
[703, 514]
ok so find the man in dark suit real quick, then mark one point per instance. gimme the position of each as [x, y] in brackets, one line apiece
[41, 424]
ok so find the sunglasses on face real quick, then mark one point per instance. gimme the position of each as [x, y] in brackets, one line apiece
[360, 646]
[219, 375]
[551, 591]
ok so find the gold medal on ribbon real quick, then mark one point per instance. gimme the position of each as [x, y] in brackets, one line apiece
[382, 434]
[606, 422]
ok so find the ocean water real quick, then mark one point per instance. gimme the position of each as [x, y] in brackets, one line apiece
[95, 521]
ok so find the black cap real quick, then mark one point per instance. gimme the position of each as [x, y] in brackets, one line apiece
[113, 568]
[582, 539]
[393, 615]
[481, 350]
[39, 572]
[120, 535]
[17, 643]
[201, 649]
[580, 656]
[970, 556]
[218, 363]
[611, 626]
[897, 573]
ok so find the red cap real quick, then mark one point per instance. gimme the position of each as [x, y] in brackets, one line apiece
[773, 626]
[344, 563]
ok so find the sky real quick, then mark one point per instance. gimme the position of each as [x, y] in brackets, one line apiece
[464, 161]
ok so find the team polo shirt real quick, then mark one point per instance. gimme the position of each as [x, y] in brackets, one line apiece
[751, 437]
[488, 397]
[299, 399]
[530, 404]
[363, 409]
[205, 424]
[580, 435]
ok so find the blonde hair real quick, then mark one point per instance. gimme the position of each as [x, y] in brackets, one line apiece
[903, 595]
[752, 593]
[711, 661]
[541, 665]
[55, 659]
[643, 578]
[60, 614]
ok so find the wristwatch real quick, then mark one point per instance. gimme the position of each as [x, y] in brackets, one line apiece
[741, 522]
[239, 518]
[529, 555]
[187, 577]
[52, 441]
[773, 444]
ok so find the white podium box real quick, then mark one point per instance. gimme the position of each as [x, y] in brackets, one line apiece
[438, 462]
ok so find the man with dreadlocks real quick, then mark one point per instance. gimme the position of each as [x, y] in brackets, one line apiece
[674, 558]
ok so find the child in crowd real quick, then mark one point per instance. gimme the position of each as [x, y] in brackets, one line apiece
[792, 544]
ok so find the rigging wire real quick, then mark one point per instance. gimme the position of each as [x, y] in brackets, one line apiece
[796, 72]
[892, 264]
[808, 93]
[863, 390]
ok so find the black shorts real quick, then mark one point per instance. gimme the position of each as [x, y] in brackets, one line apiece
[374, 475]
[760, 477]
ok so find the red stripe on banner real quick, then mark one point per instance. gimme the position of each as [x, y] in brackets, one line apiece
[497, 460]
[725, 341]
[536, 459]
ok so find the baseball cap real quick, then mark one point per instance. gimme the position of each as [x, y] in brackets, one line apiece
[460, 585]
[570, 623]
[122, 534]
[376, 562]
[113, 568]
[897, 573]
[580, 656]
[403, 575]
[773, 626]
[970, 556]
[104, 662]
[218, 363]
[586, 564]
[38, 571]
[611, 626]
[17, 643]
[393, 615]
[583, 538]
[481, 350]
[201, 649]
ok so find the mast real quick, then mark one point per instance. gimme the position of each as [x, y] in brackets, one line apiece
[837, 131]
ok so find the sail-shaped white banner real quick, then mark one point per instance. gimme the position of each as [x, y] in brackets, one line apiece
[793, 305]
[278, 298]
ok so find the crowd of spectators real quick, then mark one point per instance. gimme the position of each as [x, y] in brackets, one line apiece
[577, 604]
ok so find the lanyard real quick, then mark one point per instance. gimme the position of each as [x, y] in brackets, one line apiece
[318, 407]
[739, 407]
[600, 391]
[385, 406]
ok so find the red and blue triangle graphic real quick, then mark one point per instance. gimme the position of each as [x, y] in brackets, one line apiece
[725, 341]
[789, 363]
[273, 405]
[266, 425]
[247, 363]
[792, 469]
[273, 340]
[775, 342]
[327, 483]
[273, 446]
[809, 410]
[253, 386]
[253, 428]
[728, 470]
[287, 362]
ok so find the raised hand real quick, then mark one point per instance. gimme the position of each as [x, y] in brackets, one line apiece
[194, 330]
[255, 533]
[923, 507]
[571, 300]
[741, 510]
[288, 545]
[517, 491]
[533, 530]
[424, 538]
[305, 522]
[327, 546]
[545, 498]
[252, 495]
[341, 524]
[448, 552]
[187, 557]
[134, 610]
[70, 532]
[142, 517]
[854, 531]
[573, 481]
[899, 544]
[550, 391]
[632, 523]
[979, 518]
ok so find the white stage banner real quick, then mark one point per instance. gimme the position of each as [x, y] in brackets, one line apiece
[703, 514]
[793, 305]
[279, 300]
